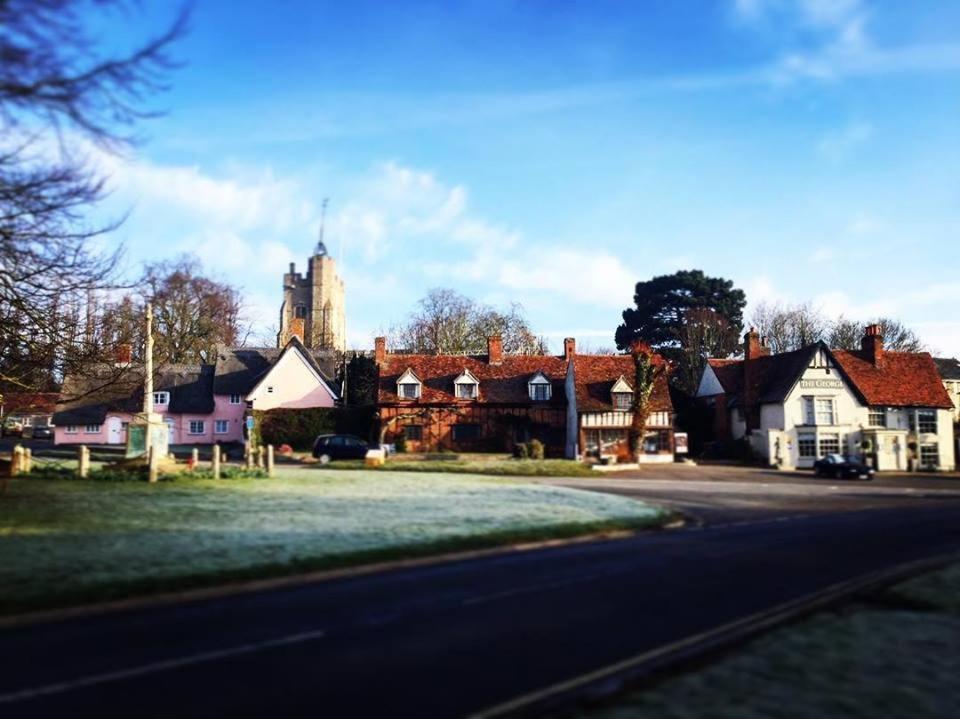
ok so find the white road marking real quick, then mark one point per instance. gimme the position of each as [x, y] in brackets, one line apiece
[155, 667]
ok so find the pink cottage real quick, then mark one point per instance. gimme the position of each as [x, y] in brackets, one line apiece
[201, 404]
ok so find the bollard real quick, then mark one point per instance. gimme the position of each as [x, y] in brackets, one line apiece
[270, 460]
[152, 460]
[194, 458]
[27, 460]
[16, 460]
[215, 462]
[250, 451]
[83, 461]
[260, 454]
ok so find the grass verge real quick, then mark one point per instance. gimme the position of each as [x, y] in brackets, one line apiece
[494, 468]
[896, 654]
[64, 543]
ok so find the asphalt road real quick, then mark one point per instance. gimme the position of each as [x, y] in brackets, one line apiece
[454, 638]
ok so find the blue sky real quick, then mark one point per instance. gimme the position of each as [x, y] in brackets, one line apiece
[553, 153]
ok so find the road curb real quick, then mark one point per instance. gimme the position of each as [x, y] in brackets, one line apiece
[615, 678]
[260, 585]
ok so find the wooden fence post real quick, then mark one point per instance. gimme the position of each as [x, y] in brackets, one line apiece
[270, 460]
[16, 460]
[152, 469]
[250, 451]
[215, 462]
[195, 458]
[83, 461]
[27, 460]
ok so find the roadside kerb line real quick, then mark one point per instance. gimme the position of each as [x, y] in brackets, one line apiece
[615, 677]
[161, 666]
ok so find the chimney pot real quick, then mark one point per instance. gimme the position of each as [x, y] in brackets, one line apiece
[495, 350]
[754, 346]
[380, 350]
[569, 348]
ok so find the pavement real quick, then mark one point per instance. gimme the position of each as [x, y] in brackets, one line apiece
[456, 637]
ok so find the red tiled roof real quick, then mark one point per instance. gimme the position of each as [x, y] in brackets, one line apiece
[903, 379]
[35, 402]
[596, 374]
[505, 383]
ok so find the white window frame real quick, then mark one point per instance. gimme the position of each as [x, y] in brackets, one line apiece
[537, 383]
[406, 379]
[236, 399]
[807, 437]
[832, 403]
[70, 429]
[217, 423]
[202, 424]
[161, 398]
[915, 416]
[97, 428]
[872, 413]
[618, 397]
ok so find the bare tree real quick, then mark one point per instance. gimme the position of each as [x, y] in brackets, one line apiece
[446, 322]
[789, 327]
[703, 334]
[54, 79]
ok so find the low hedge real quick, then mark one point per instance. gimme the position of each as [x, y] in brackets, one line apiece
[300, 427]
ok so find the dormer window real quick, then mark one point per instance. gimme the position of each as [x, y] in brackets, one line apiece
[408, 386]
[621, 395]
[466, 386]
[161, 398]
[540, 388]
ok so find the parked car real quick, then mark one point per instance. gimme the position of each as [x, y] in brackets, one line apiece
[43, 431]
[339, 446]
[838, 466]
[12, 428]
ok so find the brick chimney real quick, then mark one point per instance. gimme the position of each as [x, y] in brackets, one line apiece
[495, 349]
[569, 348]
[296, 328]
[872, 345]
[380, 350]
[123, 354]
[754, 346]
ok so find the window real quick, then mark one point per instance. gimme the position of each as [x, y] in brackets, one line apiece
[270, 389]
[92, 429]
[807, 445]
[540, 392]
[161, 398]
[409, 390]
[197, 426]
[221, 426]
[466, 432]
[300, 312]
[877, 417]
[235, 399]
[656, 442]
[466, 390]
[929, 456]
[829, 444]
[808, 416]
[825, 413]
[70, 429]
[622, 400]
[924, 421]
[124, 426]
[413, 432]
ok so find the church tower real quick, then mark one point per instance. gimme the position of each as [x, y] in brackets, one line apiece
[313, 305]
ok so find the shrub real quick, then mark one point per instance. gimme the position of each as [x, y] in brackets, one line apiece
[535, 449]
[521, 450]
[300, 427]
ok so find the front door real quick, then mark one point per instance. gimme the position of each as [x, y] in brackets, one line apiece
[169, 422]
[114, 430]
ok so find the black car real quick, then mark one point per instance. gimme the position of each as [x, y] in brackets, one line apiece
[339, 446]
[838, 466]
[43, 431]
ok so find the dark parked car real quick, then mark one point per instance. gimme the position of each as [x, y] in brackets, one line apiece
[339, 446]
[43, 431]
[836, 465]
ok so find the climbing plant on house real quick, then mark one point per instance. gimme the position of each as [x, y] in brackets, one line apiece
[648, 368]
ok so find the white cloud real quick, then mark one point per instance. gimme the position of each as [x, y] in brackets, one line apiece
[822, 255]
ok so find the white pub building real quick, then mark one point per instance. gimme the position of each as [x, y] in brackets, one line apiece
[795, 407]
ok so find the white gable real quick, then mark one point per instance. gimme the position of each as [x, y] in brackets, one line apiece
[466, 377]
[409, 377]
[621, 386]
[539, 378]
[292, 382]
